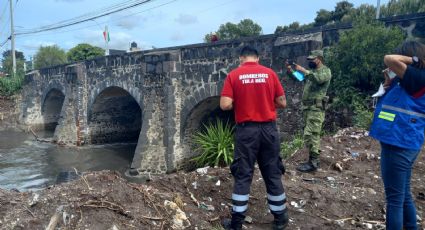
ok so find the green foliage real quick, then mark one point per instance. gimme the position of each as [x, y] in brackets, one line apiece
[8, 66]
[215, 145]
[292, 27]
[18, 54]
[84, 51]
[49, 56]
[341, 9]
[362, 116]
[11, 85]
[356, 61]
[323, 17]
[399, 7]
[288, 148]
[244, 28]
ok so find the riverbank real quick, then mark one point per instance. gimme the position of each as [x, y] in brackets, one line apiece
[346, 193]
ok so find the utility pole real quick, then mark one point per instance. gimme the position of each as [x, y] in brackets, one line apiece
[12, 39]
[378, 9]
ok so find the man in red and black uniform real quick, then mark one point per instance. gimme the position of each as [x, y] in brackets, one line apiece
[254, 92]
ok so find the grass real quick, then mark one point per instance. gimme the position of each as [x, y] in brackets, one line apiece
[288, 148]
[11, 85]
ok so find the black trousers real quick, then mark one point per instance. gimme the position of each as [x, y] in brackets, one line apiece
[256, 141]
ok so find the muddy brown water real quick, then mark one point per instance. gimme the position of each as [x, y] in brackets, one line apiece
[26, 164]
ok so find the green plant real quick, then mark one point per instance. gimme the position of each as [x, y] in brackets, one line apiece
[11, 85]
[362, 116]
[215, 145]
[288, 148]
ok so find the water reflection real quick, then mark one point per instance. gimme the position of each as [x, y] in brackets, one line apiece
[27, 164]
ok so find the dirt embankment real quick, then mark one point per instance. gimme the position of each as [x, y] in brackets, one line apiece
[347, 193]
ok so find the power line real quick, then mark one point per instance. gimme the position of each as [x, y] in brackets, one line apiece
[67, 24]
[85, 27]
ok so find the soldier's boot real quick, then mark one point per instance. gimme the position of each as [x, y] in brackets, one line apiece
[311, 165]
[280, 221]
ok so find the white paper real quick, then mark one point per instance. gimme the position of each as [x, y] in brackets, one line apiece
[391, 74]
[380, 92]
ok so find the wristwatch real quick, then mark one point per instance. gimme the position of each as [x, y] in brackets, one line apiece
[415, 61]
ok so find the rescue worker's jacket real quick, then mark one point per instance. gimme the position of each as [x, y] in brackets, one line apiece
[399, 119]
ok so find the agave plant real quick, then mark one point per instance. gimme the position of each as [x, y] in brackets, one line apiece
[215, 144]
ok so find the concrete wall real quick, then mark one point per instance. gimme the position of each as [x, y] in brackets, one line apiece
[159, 98]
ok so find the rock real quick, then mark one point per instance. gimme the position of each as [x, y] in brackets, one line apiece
[218, 183]
[371, 191]
[180, 220]
[34, 200]
[248, 219]
[338, 166]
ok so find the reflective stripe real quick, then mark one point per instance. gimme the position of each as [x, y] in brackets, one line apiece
[403, 111]
[240, 208]
[276, 208]
[386, 117]
[276, 198]
[238, 197]
[387, 114]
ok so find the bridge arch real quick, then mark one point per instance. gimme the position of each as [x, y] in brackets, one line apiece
[52, 102]
[202, 107]
[114, 115]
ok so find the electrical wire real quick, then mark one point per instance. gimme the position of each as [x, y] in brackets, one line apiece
[71, 23]
[103, 22]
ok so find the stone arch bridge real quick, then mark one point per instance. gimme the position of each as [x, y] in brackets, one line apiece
[157, 98]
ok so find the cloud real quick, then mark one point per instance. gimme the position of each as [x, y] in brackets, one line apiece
[186, 19]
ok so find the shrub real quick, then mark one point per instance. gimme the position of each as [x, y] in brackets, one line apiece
[215, 145]
[11, 85]
[362, 116]
[288, 148]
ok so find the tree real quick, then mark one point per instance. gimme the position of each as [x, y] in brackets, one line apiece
[244, 28]
[18, 54]
[323, 17]
[341, 9]
[84, 51]
[356, 60]
[7, 61]
[49, 56]
[399, 7]
[364, 12]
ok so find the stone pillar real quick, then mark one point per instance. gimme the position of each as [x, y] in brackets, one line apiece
[69, 128]
[31, 101]
[149, 156]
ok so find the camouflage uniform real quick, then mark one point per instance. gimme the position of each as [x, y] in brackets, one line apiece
[314, 100]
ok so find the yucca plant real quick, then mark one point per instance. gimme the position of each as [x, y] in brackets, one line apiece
[215, 144]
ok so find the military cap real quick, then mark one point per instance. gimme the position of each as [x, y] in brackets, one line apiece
[314, 54]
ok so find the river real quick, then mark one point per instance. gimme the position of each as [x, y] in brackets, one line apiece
[26, 164]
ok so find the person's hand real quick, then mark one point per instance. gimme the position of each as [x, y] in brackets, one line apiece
[288, 66]
[300, 68]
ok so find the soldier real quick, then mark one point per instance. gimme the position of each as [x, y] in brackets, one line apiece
[314, 102]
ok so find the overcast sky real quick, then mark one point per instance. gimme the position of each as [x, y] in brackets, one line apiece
[159, 23]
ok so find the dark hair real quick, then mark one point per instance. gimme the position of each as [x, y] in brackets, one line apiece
[248, 51]
[411, 48]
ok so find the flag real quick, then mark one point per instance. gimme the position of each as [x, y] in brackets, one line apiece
[106, 34]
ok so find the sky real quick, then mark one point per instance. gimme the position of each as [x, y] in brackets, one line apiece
[159, 23]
